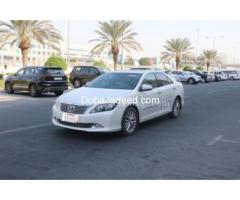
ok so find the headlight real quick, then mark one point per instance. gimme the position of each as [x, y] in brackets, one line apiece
[57, 104]
[104, 107]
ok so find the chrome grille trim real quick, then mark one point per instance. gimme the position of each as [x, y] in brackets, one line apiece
[77, 109]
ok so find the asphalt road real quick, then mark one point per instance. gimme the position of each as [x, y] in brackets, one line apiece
[204, 143]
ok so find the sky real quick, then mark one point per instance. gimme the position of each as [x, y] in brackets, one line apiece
[152, 35]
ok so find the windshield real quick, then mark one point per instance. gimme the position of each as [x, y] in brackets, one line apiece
[125, 81]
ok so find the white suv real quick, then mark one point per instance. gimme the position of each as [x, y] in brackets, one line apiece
[232, 74]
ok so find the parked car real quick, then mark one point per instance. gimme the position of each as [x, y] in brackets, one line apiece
[210, 76]
[205, 78]
[75, 109]
[220, 76]
[188, 77]
[232, 74]
[175, 76]
[37, 80]
[80, 75]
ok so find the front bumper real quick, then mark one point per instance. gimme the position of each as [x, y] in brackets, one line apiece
[110, 121]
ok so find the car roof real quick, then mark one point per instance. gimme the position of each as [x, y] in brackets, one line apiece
[143, 71]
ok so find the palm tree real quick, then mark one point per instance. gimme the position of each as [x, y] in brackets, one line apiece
[113, 36]
[209, 56]
[177, 48]
[24, 32]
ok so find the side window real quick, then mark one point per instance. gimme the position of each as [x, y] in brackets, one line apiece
[162, 80]
[77, 69]
[93, 70]
[150, 79]
[29, 71]
[85, 70]
[20, 72]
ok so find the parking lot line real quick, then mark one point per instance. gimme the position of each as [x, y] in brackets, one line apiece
[215, 140]
[25, 128]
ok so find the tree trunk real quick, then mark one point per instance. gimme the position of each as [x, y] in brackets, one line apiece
[24, 57]
[177, 62]
[208, 65]
[115, 59]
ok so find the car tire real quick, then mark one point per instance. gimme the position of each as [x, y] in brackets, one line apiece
[176, 108]
[191, 81]
[232, 78]
[130, 121]
[58, 93]
[8, 88]
[77, 83]
[33, 90]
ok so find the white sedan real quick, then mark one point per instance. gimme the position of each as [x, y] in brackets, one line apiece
[119, 101]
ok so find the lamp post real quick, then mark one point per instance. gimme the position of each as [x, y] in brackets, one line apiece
[68, 29]
[197, 40]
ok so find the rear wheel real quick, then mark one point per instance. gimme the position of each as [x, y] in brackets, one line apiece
[77, 83]
[130, 121]
[8, 88]
[231, 78]
[176, 108]
[58, 93]
[33, 91]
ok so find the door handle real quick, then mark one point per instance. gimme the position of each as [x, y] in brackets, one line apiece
[159, 92]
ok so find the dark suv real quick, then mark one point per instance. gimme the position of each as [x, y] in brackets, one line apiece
[80, 75]
[37, 80]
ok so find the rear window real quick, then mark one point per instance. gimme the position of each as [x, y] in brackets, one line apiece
[53, 71]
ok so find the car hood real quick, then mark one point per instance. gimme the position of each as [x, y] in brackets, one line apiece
[90, 96]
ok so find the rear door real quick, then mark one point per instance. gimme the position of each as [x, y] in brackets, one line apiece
[166, 92]
[28, 77]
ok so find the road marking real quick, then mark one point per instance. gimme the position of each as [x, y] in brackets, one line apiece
[25, 128]
[230, 141]
[214, 140]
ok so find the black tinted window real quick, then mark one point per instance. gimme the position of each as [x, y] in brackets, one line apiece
[20, 72]
[162, 79]
[77, 69]
[150, 79]
[93, 70]
[85, 70]
[29, 71]
[53, 71]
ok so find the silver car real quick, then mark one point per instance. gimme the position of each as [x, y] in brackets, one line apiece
[187, 77]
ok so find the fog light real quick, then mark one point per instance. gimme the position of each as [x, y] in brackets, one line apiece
[95, 125]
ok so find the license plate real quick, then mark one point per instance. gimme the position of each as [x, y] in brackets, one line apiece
[58, 78]
[68, 117]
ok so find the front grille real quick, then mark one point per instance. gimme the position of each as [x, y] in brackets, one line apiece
[69, 108]
[78, 125]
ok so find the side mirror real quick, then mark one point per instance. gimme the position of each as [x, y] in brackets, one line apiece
[146, 87]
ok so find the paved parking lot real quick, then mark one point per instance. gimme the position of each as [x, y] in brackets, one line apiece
[204, 143]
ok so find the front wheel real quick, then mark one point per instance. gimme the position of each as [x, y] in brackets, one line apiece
[130, 121]
[8, 88]
[176, 108]
[58, 93]
[190, 81]
[33, 91]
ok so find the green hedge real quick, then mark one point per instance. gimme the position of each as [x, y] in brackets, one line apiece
[56, 61]
[187, 68]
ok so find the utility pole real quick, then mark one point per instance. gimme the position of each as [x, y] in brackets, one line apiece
[214, 38]
[68, 29]
[197, 40]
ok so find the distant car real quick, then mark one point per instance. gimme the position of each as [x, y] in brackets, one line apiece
[220, 76]
[188, 77]
[176, 77]
[205, 77]
[150, 93]
[232, 74]
[37, 80]
[80, 75]
[210, 76]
